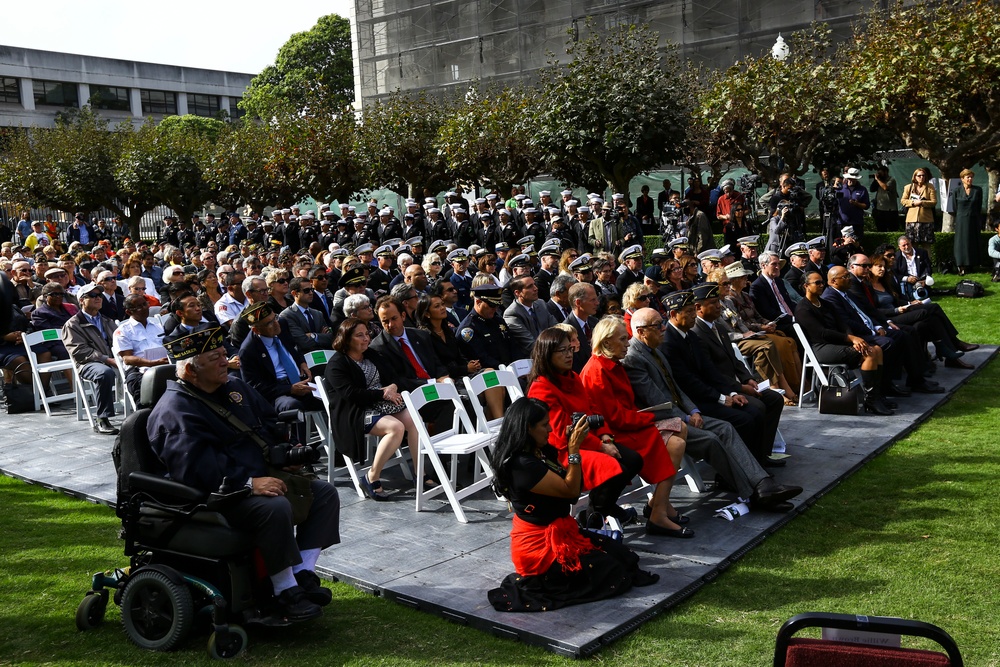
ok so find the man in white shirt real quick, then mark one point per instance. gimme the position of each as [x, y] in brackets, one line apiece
[135, 339]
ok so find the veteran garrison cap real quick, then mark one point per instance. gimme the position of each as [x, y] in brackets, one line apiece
[705, 291]
[197, 342]
[678, 300]
[352, 278]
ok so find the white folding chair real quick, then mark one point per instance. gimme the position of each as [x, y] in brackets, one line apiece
[479, 383]
[57, 367]
[86, 396]
[154, 310]
[779, 440]
[128, 403]
[520, 367]
[318, 357]
[460, 439]
[811, 363]
[354, 470]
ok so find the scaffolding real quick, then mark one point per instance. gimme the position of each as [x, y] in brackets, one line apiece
[440, 45]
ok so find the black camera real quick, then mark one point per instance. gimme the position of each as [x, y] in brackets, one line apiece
[594, 422]
[750, 182]
[285, 455]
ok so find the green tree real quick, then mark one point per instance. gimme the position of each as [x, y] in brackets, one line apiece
[931, 73]
[313, 71]
[615, 111]
[397, 143]
[327, 165]
[488, 138]
[190, 125]
[250, 166]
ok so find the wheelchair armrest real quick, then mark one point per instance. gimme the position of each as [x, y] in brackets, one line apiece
[164, 489]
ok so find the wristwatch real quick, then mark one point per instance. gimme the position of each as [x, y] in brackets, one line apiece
[573, 459]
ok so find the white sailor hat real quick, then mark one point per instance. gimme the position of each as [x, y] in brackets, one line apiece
[545, 193]
[566, 193]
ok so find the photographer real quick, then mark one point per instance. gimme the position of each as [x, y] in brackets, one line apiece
[852, 202]
[886, 209]
[699, 229]
[793, 216]
[211, 432]
[556, 564]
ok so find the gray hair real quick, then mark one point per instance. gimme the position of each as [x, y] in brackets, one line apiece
[562, 283]
[136, 280]
[765, 257]
[183, 364]
[400, 291]
[354, 303]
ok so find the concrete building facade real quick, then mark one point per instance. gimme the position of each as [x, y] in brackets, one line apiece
[35, 85]
[437, 45]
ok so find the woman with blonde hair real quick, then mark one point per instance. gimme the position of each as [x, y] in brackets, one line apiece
[919, 199]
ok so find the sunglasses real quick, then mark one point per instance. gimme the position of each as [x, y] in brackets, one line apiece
[306, 290]
[283, 281]
[642, 297]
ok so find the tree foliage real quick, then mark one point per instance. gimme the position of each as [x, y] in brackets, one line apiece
[313, 71]
[488, 138]
[613, 112]
[397, 138]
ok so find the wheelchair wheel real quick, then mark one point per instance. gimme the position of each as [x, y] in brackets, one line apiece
[233, 646]
[90, 613]
[157, 613]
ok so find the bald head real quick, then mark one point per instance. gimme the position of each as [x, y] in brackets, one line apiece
[644, 317]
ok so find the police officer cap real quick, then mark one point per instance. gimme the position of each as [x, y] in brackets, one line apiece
[339, 252]
[405, 247]
[363, 248]
[519, 260]
[437, 244]
[678, 300]
[458, 255]
[749, 241]
[711, 255]
[581, 264]
[354, 277]
[658, 255]
[501, 247]
[818, 243]
[797, 249]
[705, 291]
[197, 342]
[488, 292]
[631, 252]
[384, 251]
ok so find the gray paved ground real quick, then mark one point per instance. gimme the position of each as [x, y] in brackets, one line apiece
[429, 561]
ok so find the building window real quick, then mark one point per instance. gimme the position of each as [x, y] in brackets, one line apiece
[203, 105]
[10, 91]
[161, 102]
[235, 112]
[110, 97]
[55, 94]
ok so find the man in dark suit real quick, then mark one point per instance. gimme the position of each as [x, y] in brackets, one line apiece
[306, 325]
[912, 265]
[769, 294]
[526, 317]
[714, 440]
[322, 296]
[559, 304]
[817, 256]
[714, 395]
[720, 353]
[409, 351]
[583, 299]
[865, 322]
[270, 364]
[380, 276]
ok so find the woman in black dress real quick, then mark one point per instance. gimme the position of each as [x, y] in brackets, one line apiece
[556, 563]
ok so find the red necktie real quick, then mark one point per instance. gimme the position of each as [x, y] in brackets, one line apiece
[421, 373]
[586, 331]
[781, 302]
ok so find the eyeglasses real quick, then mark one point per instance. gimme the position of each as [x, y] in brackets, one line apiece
[58, 294]
[107, 279]
[563, 349]
[306, 290]
[815, 282]
[662, 324]
[451, 289]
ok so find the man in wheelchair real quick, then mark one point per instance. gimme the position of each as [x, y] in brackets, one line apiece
[218, 435]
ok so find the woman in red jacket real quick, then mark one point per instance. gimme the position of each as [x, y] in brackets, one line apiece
[661, 443]
[607, 468]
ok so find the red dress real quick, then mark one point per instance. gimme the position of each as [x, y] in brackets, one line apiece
[610, 390]
[564, 397]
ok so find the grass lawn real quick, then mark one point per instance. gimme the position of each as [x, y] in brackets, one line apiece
[913, 534]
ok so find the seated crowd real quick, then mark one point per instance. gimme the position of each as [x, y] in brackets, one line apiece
[691, 355]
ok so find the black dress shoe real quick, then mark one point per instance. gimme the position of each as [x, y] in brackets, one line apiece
[104, 427]
[958, 363]
[769, 493]
[893, 389]
[293, 604]
[656, 529]
[315, 593]
[926, 388]
[966, 347]
[874, 406]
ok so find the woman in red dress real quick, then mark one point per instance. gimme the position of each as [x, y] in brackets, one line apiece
[661, 443]
[607, 469]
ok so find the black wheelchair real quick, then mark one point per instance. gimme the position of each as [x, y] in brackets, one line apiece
[187, 566]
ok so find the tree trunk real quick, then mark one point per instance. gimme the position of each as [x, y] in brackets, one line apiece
[947, 219]
[991, 204]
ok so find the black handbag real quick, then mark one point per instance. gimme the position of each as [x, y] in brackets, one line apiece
[969, 289]
[18, 397]
[838, 397]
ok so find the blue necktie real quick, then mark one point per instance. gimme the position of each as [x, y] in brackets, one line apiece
[861, 314]
[291, 370]
[309, 319]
